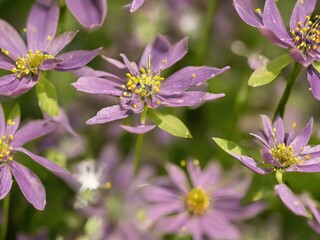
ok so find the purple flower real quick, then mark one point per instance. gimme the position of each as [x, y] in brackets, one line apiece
[206, 206]
[284, 152]
[302, 40]
[143, 86]
[11, 142]
[40, 54]
[109, 193]
[302, 205]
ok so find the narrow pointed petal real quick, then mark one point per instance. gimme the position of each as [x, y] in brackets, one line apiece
[262, 139]
[172, 223]
[18, 86]
[189, 76]
[159, 210]
[132, 66]
[314, 81]
[268, 158]
[278, 125]
[157, 194]
[304, 168]
[42, 24]
[76, 59]
[284, 42]
[2, 121]
[51, 166]
[246, 11]
[135, 5]
[96, 85]
[302, 139]
[291, 200]
[31, 131]
[91, 14]
[60, 42]
[297, 56]
[267, 129]
[164, 55]
[300, 11]
[272, 19]
[141, 129]
[6, 63]
[187, 98]
[11, 41]
[177, 176]
[251, 164]
[30, 185]
[5, 181]
[114, 62]
[108, 114]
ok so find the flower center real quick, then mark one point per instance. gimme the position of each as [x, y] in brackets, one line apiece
[30, 63]
[5, 148]
[198, 201]
[285, 155]
[307, 37]
[144, 84]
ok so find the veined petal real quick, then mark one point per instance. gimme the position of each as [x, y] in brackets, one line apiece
[172, 223]
[18, 86]
[300, 11]
[268, 158]
[301, 140]
[187, 98]
[135, 5]
[31, 131]
[90, 14]
[114, 62]
[164, 55]
[246, 11]
[159, 210]
[251, 164]
[5, 181]
[2, 121]
[278, 125]
[97, 85]
[60, 42]
[291, 200]
[29, 184]
[189, 76]
[267, 129]
[76, 59]
[271, 19]
[132, 66]
[141, 129]
[157, 194]
[177, 176]
[108, 114]
[51, 166]
[42, 24]
[314, 81]
[6, 63]
[284, 42]
[11, 41]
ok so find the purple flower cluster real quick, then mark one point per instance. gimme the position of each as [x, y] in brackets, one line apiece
[302, 40]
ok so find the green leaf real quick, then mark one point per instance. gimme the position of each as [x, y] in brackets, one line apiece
[14, 113]
[316, 65]
[229, 147]
[170, 124]
[268, 73]
[47, 96]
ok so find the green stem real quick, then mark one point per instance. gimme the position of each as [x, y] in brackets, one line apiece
[283, 101]
[5, 217]
[279, 178]
[137, 154]
[205, 37]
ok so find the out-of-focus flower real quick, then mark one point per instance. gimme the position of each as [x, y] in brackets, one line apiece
[135, 5]
[303, 40]
[206, 206]
[302, 205]
[143, 86]
[41, 52]
[109, 194]
[284, 152]
[11, 142]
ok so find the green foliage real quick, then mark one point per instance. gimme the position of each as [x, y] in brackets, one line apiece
[229, 147]
[170, 124]
[47, 96]
[266, 74]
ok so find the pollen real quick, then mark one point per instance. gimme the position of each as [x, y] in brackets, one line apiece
[285, 155]
[197, 201]
[30, 63]
[5, 148]
[108, 185]
[193, 75]
[10, 122]
[182, 163]
[257, 10]
[49, 38]
[306, 35]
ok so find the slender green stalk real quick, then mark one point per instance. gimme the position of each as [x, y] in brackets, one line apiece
[205, 37]
[283, 101]
[137, 154]
[5, 217]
